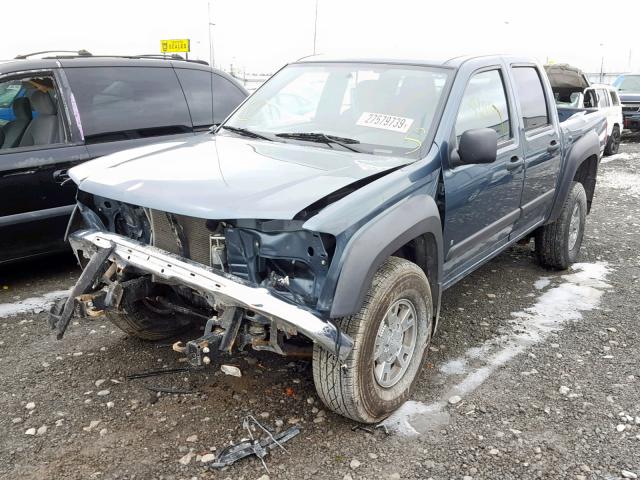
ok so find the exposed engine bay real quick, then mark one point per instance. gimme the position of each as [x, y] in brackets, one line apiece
[276, 256]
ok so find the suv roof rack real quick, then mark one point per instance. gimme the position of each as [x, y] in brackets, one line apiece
[85, 54]
[173, 56]
[79, 53]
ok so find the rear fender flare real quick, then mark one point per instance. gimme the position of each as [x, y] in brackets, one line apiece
[376, 241]
[584, 148]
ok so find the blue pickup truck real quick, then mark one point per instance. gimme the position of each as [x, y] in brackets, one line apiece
[332, 225]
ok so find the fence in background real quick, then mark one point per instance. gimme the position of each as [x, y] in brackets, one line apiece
[607, 77]
[250, 81]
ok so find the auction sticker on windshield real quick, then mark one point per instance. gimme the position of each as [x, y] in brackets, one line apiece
[386, 122]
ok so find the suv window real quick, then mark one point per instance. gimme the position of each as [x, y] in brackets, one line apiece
[119, 103]
[484, 105]
[29, 113]
[226, 97]
[615, 99]
[603, 98]
[197, 88]
[532, 99]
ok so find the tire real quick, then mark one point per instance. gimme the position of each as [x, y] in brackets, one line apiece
[558, 244]
[613, 143]
[146, 322]
[350, 388]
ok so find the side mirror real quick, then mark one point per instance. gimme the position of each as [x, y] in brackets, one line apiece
[479, 145]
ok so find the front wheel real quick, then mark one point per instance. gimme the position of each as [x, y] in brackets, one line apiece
[558, 243]
[147, 320]
[391, 333]
[613, 144]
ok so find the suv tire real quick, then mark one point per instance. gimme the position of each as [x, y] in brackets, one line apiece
[613, 143]
[362, 387]
[558, 243]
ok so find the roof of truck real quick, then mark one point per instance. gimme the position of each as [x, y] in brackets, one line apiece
[451, 62]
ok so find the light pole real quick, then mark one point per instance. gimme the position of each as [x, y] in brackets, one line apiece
[315, 28]
[209, 25]
[602, 63]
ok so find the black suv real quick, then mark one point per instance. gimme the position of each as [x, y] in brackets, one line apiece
[57, 112]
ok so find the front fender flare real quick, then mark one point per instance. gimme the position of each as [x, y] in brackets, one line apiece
[377, 240]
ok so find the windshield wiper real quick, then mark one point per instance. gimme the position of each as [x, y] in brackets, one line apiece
[246, 132]
[322, 138]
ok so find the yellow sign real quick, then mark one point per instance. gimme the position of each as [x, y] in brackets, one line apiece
[175, 45]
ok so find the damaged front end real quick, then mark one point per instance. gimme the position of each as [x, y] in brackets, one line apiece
[251, 283]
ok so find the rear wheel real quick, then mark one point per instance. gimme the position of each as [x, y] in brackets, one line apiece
[613, 144]
[148, 320]
[558, 243]
[391, 333]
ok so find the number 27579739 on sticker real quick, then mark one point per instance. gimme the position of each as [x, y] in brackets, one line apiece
[385, 122]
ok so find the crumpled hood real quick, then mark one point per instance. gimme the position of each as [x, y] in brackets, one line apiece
[224, 177]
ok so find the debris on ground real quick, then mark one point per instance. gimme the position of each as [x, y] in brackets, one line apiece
[231, 370]
[360, 427]
[93, 424]
[259, 448]
[174, 391]
[153, 373]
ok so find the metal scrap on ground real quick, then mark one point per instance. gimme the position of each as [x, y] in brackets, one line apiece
[259, 448]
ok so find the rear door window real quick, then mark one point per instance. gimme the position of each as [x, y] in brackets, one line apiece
[533, 103]
[614, 98]
[226, 97]
[120, 103]
[603, 98]
[198, 90]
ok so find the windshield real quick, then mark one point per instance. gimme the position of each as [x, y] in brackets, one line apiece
[383, 109]
[628, 83]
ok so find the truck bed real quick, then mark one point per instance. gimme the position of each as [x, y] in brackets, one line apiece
[575, 122]
[564, 113]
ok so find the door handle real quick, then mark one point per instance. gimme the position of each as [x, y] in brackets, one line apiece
[553, 146]
[61, 176]
[514, 163]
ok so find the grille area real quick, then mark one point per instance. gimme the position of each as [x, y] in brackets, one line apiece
[193, 230]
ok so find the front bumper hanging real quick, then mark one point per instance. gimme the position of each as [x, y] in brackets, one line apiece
[104, 247]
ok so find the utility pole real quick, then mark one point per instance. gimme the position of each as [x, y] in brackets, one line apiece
[602, 63]
[315, 28]
[209, 25]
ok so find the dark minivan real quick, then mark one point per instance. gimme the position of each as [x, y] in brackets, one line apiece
[57, 112]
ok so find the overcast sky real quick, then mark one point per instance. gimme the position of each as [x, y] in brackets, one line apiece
[262, 35]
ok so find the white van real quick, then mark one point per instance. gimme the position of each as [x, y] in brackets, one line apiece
[574, 94]
[605, 98]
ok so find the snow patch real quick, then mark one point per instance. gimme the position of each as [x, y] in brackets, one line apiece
[456, 366]
[621, 180]
[580, 291]
[414, 418]
[32, 304]
[542, 283]
[617, 156]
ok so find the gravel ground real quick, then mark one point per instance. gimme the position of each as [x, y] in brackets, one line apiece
[533, 374]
